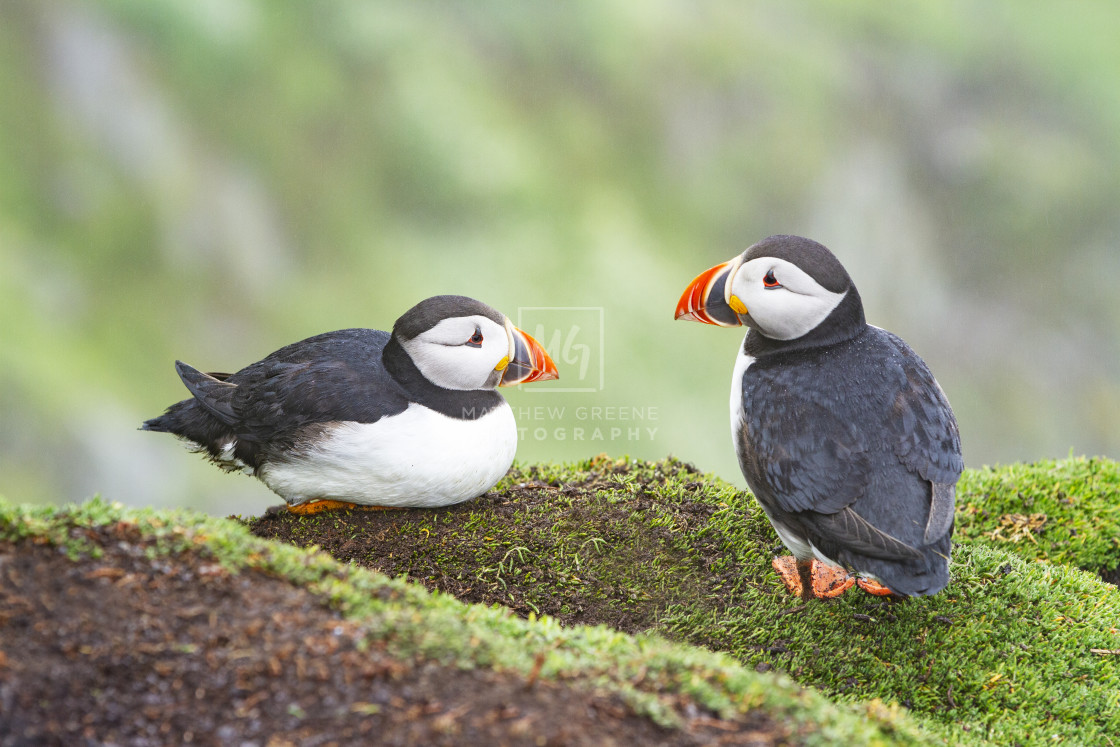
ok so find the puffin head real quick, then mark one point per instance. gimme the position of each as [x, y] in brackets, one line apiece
[460, 343]
[784, 287]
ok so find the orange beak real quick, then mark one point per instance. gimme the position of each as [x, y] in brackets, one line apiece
[707, 297]
[528, 361]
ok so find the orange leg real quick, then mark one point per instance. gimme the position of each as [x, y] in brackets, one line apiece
[812, 579]
[320, 505]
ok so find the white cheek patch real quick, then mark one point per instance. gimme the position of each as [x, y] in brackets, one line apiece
[453, 331]
[444, 358]
[788, 312]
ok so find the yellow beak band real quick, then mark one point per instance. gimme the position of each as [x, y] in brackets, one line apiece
[502, 364]
[736, 305]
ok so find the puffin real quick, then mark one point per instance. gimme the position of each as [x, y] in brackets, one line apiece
[843, 434]
[361, 418]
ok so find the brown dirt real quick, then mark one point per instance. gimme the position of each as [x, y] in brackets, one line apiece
[1110, 575]
[136, 648]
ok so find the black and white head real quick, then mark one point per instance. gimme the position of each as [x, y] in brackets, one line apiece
[784, 286]
[460, 343]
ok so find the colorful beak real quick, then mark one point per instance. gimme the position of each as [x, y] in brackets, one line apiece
[528, 361]
[708, 298]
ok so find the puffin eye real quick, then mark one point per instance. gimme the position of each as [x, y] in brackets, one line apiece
[476, 339]
[770, 281]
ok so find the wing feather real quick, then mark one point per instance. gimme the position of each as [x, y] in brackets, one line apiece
[857, 535]
[803, 446]
[926, 436]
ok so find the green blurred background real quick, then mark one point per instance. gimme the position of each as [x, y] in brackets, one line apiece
[211, 179]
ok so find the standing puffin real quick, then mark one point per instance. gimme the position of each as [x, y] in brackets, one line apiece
[364, 418]
[843, 434]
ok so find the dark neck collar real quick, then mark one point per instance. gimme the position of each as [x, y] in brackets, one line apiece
[846, 322]
[462, 405]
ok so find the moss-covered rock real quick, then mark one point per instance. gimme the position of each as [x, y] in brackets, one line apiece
[690, 695]
[1010, 651]
[1021, 648]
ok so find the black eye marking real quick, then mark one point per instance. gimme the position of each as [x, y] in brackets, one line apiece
[770, 281]
[476, 339]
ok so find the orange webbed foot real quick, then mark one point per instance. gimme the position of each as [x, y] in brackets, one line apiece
[821, 581]
[321, 505]
[874, 587]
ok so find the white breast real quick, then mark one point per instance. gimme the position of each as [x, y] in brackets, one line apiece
[742, 363]
[418, 458]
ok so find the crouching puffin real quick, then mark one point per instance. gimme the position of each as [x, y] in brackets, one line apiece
[364, 418]
[843, 434]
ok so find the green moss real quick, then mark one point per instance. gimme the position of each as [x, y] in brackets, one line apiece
[1006, 650]
[645, 670]
[1065, 511]
[1010, 652]
[1005, 653]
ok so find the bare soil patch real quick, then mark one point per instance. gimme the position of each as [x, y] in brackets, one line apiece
[134, 647]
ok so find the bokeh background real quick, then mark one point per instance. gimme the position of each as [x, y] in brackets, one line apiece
[211, 179]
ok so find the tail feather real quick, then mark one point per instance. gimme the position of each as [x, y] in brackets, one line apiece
[212, 392]
[928, 576]
[206, 418]
[158, 425]
[189, 420]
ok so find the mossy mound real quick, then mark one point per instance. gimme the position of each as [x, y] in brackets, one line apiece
[1065, 511]
[612, 543]
[197, 643]
[1014, 652]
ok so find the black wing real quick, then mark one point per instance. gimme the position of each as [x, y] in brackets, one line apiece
[802, 441]
[820, 464]
[858, 443]
[927, 439]
[337, 376]
[925, 429]
[330, 377]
